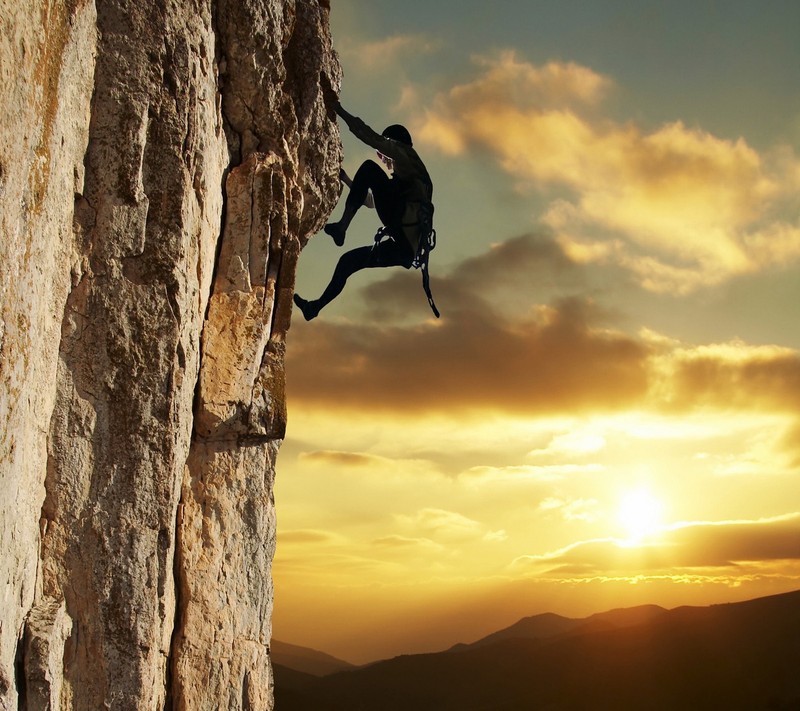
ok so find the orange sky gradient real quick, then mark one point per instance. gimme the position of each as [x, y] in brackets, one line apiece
[619, 290]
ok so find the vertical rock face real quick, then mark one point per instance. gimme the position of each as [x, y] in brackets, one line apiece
[161, 165]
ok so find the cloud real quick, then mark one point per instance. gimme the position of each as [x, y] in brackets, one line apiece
[585, 510]
[731, 542]
[387, 467]
[727, 544]
[732, 375]
[487, 282]
[306, 536]
[506, 81]
[347, 459]
[388, 51]
[790, 442]
[496, 536]
[528, 256]
[575, 443]
[443, 525]
[475, 358]
[490, 475]
[560, 358]
[677, 206]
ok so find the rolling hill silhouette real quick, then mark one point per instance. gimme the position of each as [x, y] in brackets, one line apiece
[551, 625]
[739, 656]
[305, 660]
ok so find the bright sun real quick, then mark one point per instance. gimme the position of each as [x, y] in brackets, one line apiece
[640, 513]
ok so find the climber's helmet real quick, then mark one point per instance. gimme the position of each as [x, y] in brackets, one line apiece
[398, 133]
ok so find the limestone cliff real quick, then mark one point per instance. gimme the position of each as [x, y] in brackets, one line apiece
[162, 162]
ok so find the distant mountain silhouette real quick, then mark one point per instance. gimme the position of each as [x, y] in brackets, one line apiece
[550, 625]
[738, 657]
[303, 659]
[536, 627]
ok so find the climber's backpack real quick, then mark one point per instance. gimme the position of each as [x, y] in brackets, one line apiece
[418, 219]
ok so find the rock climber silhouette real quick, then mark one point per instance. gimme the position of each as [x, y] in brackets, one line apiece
[398, 201]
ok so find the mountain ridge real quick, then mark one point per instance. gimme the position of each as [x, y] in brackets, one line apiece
[306, 660]
[549, 624]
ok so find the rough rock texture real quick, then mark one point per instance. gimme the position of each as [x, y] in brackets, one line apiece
[161, 165]
[47, 629]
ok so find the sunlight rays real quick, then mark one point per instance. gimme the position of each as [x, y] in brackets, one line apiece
[640, 513]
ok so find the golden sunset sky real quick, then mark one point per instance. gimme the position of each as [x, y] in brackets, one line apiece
[608, 411]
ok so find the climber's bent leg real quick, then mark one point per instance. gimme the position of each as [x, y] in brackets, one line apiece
[349, 263]
[370, 176]
[386, 254]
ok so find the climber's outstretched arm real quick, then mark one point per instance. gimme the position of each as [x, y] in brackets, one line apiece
[365, 134]
[360, 129]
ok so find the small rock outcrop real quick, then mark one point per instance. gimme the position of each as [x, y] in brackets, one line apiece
[162, 163]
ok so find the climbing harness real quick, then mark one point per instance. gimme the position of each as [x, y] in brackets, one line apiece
[427, 243]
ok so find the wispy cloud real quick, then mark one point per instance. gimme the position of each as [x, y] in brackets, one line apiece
[384, 52]
[347, 459]
[571, 510]
[527, 473]
[305, 537]
[443, 525]
[369, 465]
